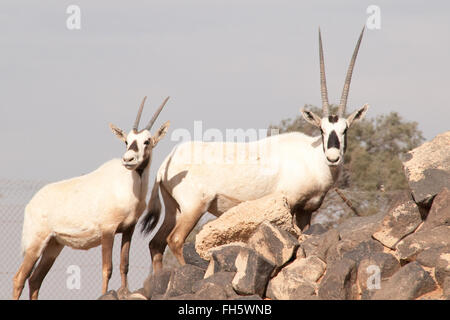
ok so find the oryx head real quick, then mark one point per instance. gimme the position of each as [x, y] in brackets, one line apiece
[140, 143]
[333, 128]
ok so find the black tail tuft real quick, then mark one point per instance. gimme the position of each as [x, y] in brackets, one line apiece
[151, 218]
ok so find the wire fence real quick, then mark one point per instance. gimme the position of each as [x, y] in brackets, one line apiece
[77, 274]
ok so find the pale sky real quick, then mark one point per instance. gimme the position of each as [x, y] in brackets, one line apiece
[232, 64]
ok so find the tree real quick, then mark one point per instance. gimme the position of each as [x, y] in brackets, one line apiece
[374, 151]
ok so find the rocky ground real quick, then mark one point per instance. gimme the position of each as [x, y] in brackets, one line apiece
[254, 251]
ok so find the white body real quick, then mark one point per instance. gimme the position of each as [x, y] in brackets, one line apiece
[292, 163]
[77, 211]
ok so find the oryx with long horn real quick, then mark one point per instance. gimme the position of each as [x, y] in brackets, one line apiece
[301, 167]
[87, 211]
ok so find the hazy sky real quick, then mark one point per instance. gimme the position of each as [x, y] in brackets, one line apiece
[232, 64]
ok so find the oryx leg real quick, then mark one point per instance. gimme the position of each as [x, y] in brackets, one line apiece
[107, 247]
[159, 242]
[49, 255]
[184, 225]
[124, 260]
[32, 254]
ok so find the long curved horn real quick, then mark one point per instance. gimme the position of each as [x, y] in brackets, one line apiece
[348, 78]
[323, 81]
[138, 117]
[157, 112]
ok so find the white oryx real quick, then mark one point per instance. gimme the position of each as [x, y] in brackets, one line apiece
[88, 211]
[301, 167]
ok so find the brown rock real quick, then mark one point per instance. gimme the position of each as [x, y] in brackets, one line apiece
[409, 283]
[415, 243]
[110, 295]
[439, 214]
[427, 169]
[429, 257]
[182, 280]
[276, 245]
[253, 273]
[223, 258]
[240, 222]
[401, 220]
[386, 264]
[339, 282]
[442, 270]
[156, 284]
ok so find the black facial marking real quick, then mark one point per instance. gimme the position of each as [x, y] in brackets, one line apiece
[333, 118]
[133, 146]
[333, 141]
[345, 139]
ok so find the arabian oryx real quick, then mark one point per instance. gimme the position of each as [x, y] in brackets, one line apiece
[301, 167]
[87, 211]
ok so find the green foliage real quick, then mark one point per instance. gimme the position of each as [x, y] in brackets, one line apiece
[374, 151]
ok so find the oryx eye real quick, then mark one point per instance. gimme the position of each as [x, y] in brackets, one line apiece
[126, 143]
[147, 142]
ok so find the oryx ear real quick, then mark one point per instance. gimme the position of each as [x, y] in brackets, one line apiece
[357, 115]
[160, 133]
[311, 117]
[118, 132]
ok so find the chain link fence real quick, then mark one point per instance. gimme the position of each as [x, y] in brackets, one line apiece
[77, 274]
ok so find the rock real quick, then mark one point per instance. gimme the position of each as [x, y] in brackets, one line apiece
[182, 280]
[439, 214]
[223, 258]
[401, 220]
[211, 291]
[297, 280]
[428, 258]
[222, 279]
[315, 229]
[363, 250]
[252, 297]
[446, 288]
[415, 243]
[427, 169]
[276, 245]
[253, 273]
[387, 265]
[339, 281]
[156, 284]
[442, 270]
[192, 257]
[359, 229]
[409, 283]
[110, 295]
[240, 222]
[185, 296]
[136, 296]
[326, 241]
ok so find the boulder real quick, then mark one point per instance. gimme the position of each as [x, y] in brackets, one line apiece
[439, 214]
[315, 229]
[192, 257]
[383, 262]
[297, 280]
[429, 257]
[427, 169]
[211, 291]
[223, 258]
[324, 242]
[222, 279]
[415, 243]
[358, 229]
[136, 296]
[253, 273]
[276, 245]
[251, 297]
[363, 250]
[442, 270]
[156, 284]
[401, 220]
[182, 280]
[409, 283]
[110, 295]
[240, 222]
[339, 282]
[446, 288]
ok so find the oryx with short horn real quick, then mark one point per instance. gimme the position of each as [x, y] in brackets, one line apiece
[301, 167]
[87, 211]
